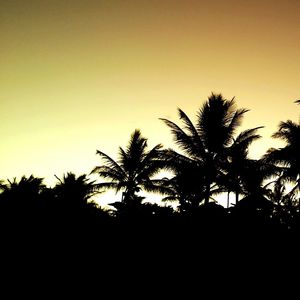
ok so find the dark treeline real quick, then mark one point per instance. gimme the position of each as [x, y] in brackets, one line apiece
[212, 158]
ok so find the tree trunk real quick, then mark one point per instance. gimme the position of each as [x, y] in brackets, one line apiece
[207, 194]
[228, 193]
[236, 197]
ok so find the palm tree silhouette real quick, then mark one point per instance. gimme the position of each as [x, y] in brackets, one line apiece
[237, 162]
[72, 209]
[286, 203]
[255, 181]
[72, 191]
[184, 186]
[205, 143]
[21, 201]
[287, 158]
[187, 186]
[22, 193]
[133, 171]
[255, 209]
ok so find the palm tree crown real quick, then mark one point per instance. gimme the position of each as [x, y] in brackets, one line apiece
[133, 170]
[205, 143]
[74, 191]
[24, 190]
[21, 198]
[237, 162]
[287, 157]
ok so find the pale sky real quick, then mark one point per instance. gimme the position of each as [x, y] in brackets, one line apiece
[77, 76]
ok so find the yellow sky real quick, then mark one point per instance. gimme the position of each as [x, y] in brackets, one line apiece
[77, 76]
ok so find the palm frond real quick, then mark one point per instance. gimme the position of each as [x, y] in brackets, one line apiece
[279, 157]
[107, 172]
[187, 122]
[183, 140]
[288, 131]
[235, 121]
[246, 138]
[136, 146]
[170, 199]
[248, 133]
[123, 159]
[152, 188]
[173, 160]
[212, 122]
[150, 161]
[109, 162]
[104, 186]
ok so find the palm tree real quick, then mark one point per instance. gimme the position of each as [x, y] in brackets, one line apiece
[255, 210]
[187, 186]
[22, 193]
[286, 203]
[205, 143]
[21, 201]
[72, 191]
[133, 171]
[287, 158]
[256, 180]
[237, 162]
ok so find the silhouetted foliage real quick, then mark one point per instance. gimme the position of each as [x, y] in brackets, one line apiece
[187, 186]
[236, 164]
[287, 161]
[20, 200]
[210, 145]
[288, 157]
[75, 192]
[133, 171]
[214, 160]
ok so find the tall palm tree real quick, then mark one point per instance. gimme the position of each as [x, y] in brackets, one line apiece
[134, 169]
[205, 143]
[287, 158]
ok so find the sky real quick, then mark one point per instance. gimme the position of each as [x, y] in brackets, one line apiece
[77, 76]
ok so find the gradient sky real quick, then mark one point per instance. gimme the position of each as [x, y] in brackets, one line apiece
[77, 76]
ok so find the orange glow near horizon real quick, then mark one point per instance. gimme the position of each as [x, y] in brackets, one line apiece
[77, 76]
